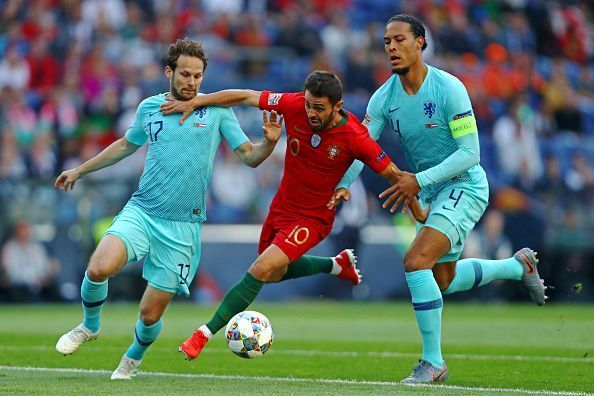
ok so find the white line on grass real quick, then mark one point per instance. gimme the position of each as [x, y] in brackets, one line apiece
[456, 356]
[292, 379]
[353, 354]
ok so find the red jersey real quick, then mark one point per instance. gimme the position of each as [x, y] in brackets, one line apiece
[316, 161]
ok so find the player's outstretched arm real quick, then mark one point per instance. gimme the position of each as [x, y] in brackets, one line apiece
[253, 154]
[403, 191]
[115, 152]
[226, 98]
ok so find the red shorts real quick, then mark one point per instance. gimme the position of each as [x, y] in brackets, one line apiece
[293, 236]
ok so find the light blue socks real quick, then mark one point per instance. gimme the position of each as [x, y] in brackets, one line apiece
[93, 296]
[472, 272]
[144, 336]
[428, 304]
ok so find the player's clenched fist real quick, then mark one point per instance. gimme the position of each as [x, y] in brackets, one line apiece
[67, 179]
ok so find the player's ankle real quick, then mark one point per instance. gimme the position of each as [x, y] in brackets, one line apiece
[206, 331]
[336, 268]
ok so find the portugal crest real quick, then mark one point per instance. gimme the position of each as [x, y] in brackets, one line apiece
[333, 151]
[315, 140]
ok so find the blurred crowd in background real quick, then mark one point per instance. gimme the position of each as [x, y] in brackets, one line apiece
[73, 71]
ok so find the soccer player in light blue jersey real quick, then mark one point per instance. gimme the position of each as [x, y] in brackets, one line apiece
[430, 112]
[162, 220]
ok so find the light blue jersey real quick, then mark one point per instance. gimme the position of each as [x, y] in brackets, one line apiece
[427, 125]
[180, 158]
[438, 134]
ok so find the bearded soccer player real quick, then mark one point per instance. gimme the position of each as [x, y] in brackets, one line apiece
[162, 220]
[430, 112]
[323, 139]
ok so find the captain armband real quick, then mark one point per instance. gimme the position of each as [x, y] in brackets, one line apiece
[464, 125]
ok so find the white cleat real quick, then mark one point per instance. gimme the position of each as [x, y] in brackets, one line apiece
[70, 341]
[127, 369]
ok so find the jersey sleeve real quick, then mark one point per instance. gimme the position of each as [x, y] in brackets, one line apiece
[135, 133]
[458, 110]
[279, 102]
[375, 120]
[370, 153]
[230, 128]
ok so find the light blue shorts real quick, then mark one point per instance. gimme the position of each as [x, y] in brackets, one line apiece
[171, 248]
[454, 212]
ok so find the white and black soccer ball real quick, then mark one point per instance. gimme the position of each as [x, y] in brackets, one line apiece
[249, 334]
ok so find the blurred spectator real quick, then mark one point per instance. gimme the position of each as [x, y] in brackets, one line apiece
[571, 29]
[29, 271]
[297, 34]
[43, 66]
[489, 241]
[40, 159]
[21, 118]
[515, 137]
[580, 178]
[12, 163]
[517, 36]
[233, 188]
[14, 70]
[351, 217]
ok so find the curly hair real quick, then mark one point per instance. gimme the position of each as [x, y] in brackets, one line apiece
[188, 47]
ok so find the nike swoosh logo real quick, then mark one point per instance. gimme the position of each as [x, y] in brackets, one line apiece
[393, 110]
[530, 267]
[152, 114]
[438, 376]
[444, 207]
[298, 130]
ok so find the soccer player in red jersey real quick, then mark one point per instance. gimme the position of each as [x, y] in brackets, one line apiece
[323, 140]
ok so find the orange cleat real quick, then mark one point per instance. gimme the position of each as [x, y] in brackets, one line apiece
[193, 345]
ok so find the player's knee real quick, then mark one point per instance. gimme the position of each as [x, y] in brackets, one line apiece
[416, 262]
[149, 316]
[265, 272]
[97, 272]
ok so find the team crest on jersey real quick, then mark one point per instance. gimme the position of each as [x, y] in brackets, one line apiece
[274, 98]
[429, 108]
[315, 140]
[200, 111]
[333, 151]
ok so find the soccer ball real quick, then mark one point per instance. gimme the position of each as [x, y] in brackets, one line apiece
[249, 334]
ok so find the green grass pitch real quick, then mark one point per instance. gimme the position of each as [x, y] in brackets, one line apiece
[320, 347]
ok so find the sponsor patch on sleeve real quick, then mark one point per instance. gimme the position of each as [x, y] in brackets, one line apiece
[381, 156]
[366, 120]
[274, 98]
[462, 115]
[463, 126]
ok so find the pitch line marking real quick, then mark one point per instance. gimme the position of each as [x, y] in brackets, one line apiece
[291, 379]
[386, 355]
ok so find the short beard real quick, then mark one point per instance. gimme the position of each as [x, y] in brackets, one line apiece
[401, 72]
[322, 126]
[175, 93]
